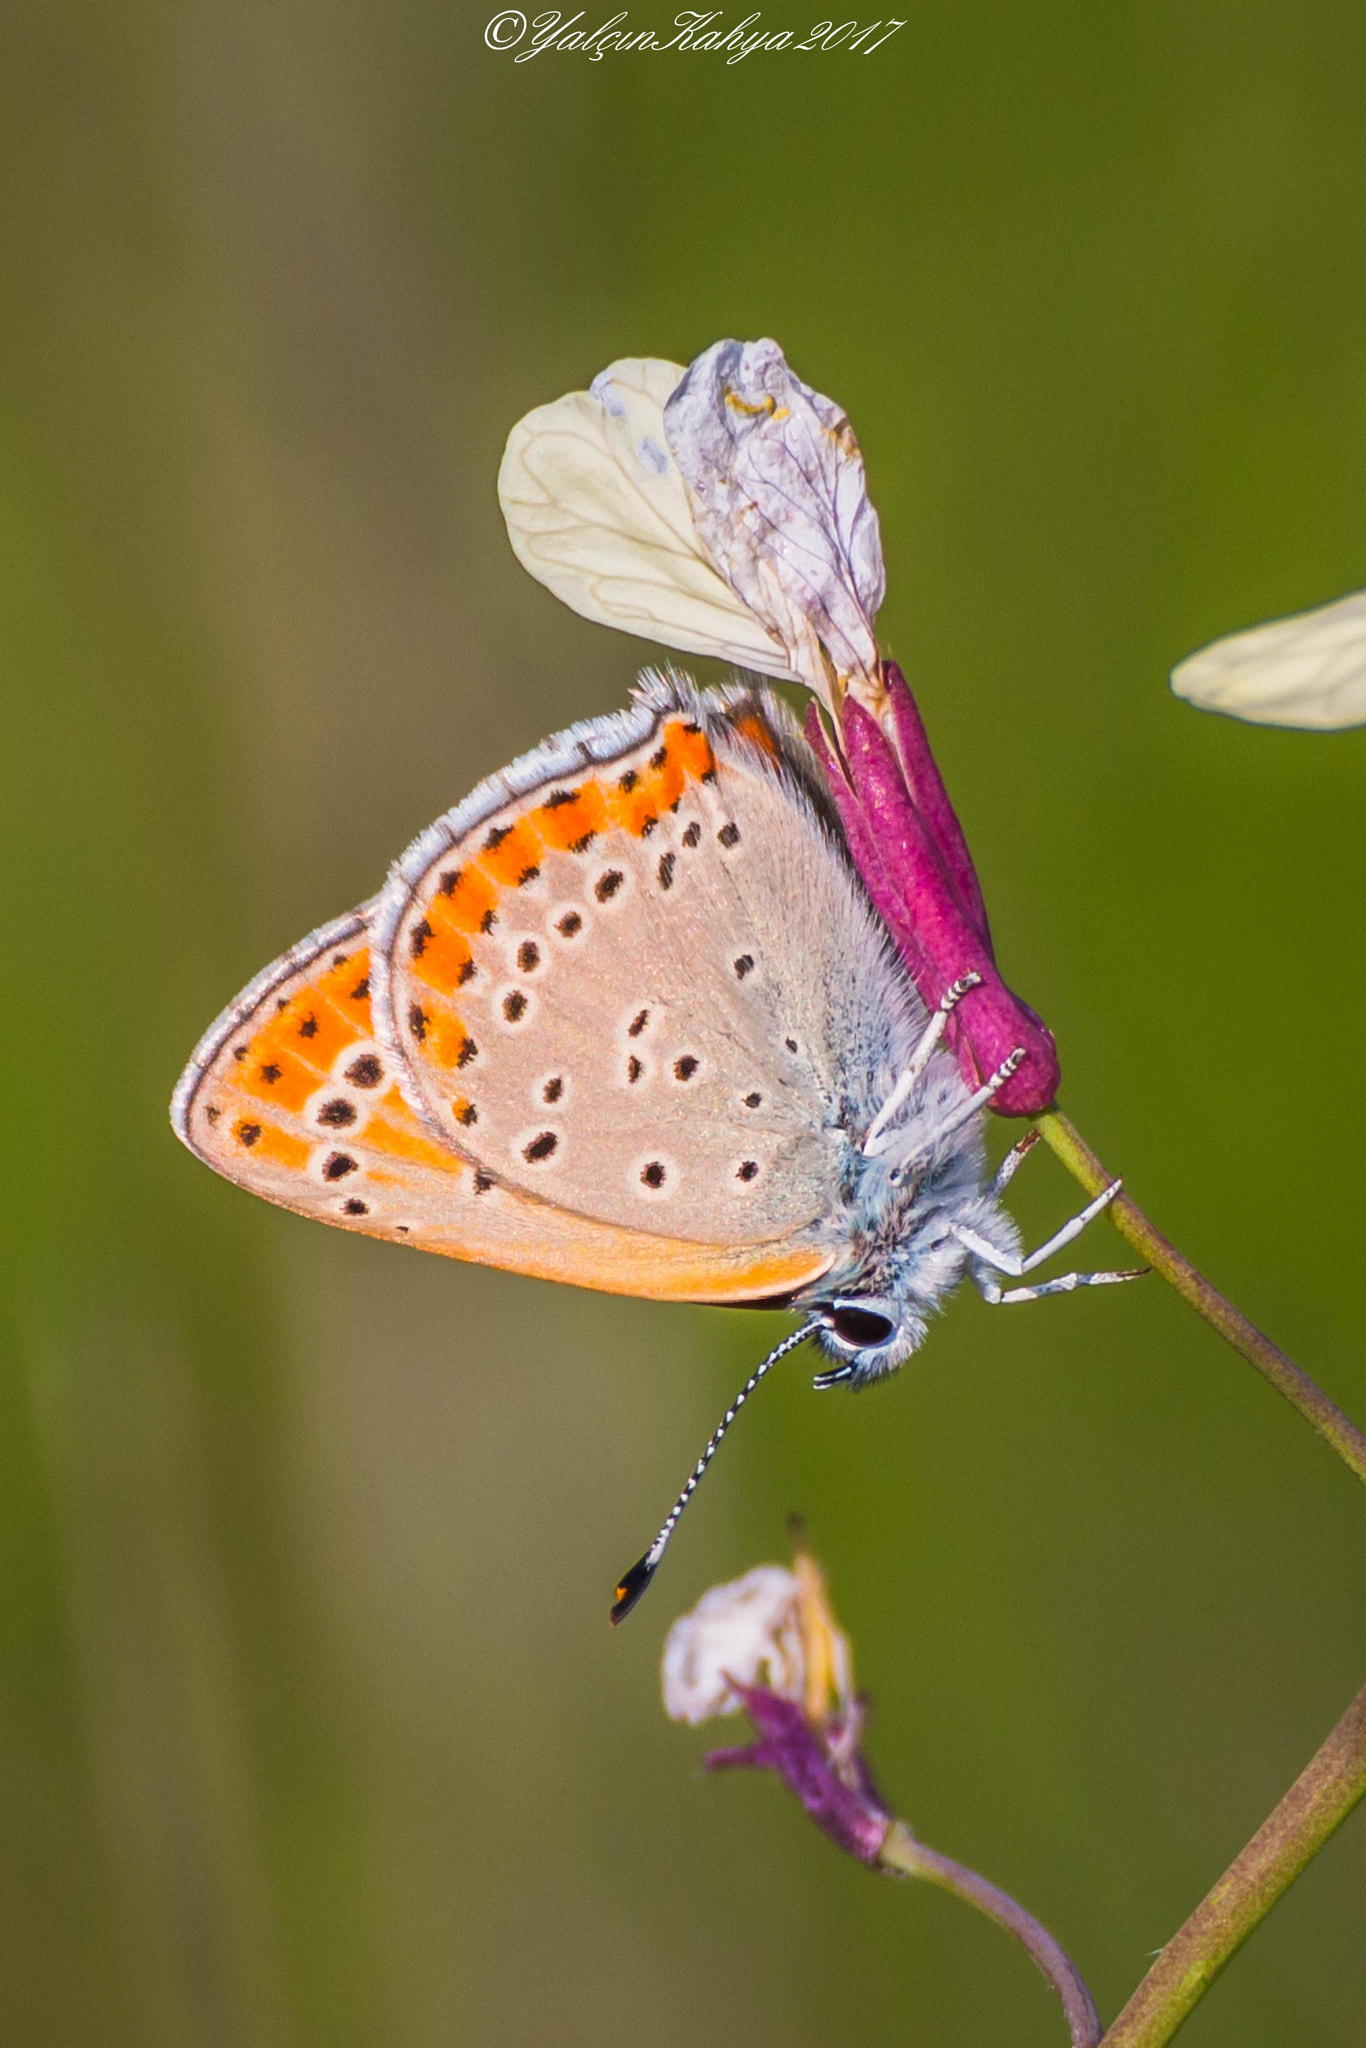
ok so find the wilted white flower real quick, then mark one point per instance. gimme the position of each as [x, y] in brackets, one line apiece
[722, 510]
[773, 1628]
[747, 1630]
[1307, 671]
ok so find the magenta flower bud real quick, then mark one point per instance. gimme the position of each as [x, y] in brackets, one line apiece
[909, 848]
[802, 1757]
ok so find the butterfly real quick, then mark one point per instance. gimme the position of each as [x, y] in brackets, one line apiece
[625, 1018]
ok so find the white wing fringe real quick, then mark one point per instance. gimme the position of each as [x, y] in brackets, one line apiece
[1307, 671]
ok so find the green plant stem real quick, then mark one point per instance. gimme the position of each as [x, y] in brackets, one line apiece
[1319, 1800]
[907, 1857]
[1330, 1786]
[1287, 1377]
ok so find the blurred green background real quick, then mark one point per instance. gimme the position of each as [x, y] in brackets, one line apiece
[313, 1729]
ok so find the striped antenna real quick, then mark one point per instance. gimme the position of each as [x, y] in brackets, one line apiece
[638, 1578]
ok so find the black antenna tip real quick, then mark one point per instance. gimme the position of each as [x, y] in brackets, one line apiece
[631, 1588]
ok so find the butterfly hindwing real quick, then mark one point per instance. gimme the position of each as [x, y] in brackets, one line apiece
[291, 1095]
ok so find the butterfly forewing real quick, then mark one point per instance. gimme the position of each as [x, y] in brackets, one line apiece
[604, 989]
[291, 1095]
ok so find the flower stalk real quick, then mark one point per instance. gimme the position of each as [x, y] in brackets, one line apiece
[1288, 1378]
[1318, 1802]
[903, 1855]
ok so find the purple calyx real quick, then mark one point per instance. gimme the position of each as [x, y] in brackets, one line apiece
[838, 1795]
[907, 844]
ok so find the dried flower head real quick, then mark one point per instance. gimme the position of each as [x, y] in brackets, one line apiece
[774, 1628]
[744, 1632]
[720, 509]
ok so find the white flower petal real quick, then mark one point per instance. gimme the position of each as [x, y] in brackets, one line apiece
[747, 1630]
[780, 499]
[597, 511]
[1309, 670]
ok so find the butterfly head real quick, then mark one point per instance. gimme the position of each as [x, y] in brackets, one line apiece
[904, 1259]
[867, 1336]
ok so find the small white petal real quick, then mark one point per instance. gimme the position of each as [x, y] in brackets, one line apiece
[597, 511]
[746, 1630]
[1309, 670]
[779, 497]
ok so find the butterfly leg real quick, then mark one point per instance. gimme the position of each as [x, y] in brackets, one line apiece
[1011, 1262]
[964, 1114]
[875, 1143]
[997, 1297]
[990, 1259]
[1009, 1166]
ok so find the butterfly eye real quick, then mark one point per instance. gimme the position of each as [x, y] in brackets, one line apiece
[860, 1327]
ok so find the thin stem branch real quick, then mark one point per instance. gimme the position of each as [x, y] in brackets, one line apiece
[902, 1853]
[1319, 1800]
[1287, 1377]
